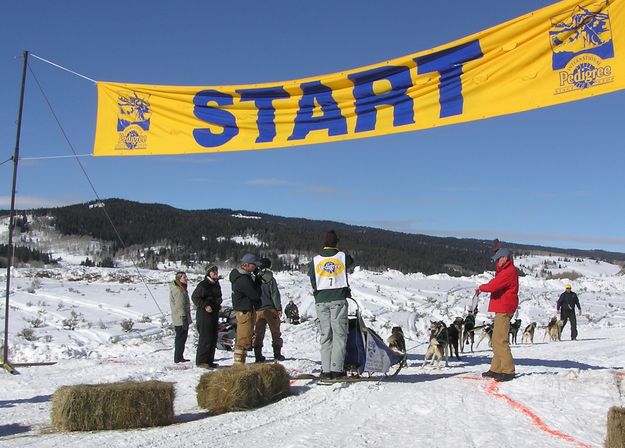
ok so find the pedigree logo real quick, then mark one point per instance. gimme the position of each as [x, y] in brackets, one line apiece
[581, 41]
[133, 120]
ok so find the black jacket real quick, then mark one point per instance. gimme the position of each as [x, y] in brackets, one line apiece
[206, 293]
[245, 290]
[568, 301]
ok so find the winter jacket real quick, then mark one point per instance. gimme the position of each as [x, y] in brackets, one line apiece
[245, 290]
[567, 302]
[270, 294]
[180, 305]
[207, 292]
[503, 289]
[329, 295]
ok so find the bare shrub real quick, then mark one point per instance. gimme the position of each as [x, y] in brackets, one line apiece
[127, 325]
[28, 334]
[36, 322]
[73, 321]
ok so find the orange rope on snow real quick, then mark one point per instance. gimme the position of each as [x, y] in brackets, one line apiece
[492, 388]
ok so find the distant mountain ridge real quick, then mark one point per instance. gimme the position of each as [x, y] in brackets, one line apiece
[155, 233]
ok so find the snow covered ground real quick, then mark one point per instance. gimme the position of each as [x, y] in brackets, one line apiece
[560, 398]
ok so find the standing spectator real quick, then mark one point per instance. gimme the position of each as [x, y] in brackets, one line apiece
[180, 314]
[268, 313]
[328, 277]
[292, 312]
[207, 301]
[504, 300]
[566, 307]
[246, 286]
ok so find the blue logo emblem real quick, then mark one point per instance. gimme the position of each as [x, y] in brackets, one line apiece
[133, 120]
[584, 32]
[580, 43]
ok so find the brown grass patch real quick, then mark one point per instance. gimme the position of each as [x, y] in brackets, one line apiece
[123, 405]
[566, 275]
[242, 387]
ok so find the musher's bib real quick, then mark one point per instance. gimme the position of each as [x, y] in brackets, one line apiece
[330, 272]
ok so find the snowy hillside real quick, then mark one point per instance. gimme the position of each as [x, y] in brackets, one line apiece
[560, 398]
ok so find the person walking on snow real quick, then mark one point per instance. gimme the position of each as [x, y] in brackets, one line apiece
[504, 300]
[268, 313]
[180, 314]
[566, 307]
[246, 289]
[328, 277]
[207, 300]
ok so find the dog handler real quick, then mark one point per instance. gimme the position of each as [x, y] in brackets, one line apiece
[504, 300]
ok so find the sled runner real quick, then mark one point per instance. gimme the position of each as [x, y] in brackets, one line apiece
[367, 354]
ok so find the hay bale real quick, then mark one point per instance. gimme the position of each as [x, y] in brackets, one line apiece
[123, 405]
[242, 387]
[616, 428]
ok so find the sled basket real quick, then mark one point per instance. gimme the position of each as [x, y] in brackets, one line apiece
[366, 350]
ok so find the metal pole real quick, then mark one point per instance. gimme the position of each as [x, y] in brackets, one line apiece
[16, 157]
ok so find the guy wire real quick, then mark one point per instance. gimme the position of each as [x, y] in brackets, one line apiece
[58, 122]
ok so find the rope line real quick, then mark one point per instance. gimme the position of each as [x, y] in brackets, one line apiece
[7, 160]
[54, 157]
[71, 146]
[62, 68]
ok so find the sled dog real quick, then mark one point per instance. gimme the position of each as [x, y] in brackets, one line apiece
[514, 330]
[439, 345]
[453, 333]
[468, 333]
[397, 343]
[528, 333]
[553, 329]
[487, 332]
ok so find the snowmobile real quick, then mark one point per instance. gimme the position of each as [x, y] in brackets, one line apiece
[226, 329]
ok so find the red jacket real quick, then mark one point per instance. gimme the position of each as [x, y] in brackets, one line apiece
[504, 289]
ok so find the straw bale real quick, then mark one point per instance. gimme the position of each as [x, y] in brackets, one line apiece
[123, 405]
[242, 387]
[616, 428]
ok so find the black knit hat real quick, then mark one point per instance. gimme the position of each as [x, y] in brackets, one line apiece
[212, 268]
[265, 263]
[331, 238]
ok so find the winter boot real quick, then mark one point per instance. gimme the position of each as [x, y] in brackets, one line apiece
[277, 356]
[239, 356]
[258, 353]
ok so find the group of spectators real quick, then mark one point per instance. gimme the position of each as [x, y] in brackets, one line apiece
[257, 304]
[256, 301]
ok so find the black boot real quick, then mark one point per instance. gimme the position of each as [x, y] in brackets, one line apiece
[258, 353]
[277, 356]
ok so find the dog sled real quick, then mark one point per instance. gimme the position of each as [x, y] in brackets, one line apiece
[367, 355]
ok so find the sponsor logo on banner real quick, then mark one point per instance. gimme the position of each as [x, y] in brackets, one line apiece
[580, 43]
[133, 120]
[331, 267]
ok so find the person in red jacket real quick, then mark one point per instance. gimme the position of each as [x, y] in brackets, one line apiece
[504, 300]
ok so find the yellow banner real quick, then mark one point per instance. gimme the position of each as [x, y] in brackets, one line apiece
[564, 52]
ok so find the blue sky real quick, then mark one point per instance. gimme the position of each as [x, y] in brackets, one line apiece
[552, 176]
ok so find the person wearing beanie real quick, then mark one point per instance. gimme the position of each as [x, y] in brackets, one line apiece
[328, 277]
[180, 314]
[246, 290]
[566, 307]
[207, 300]
[268, 314]
[504, 300]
